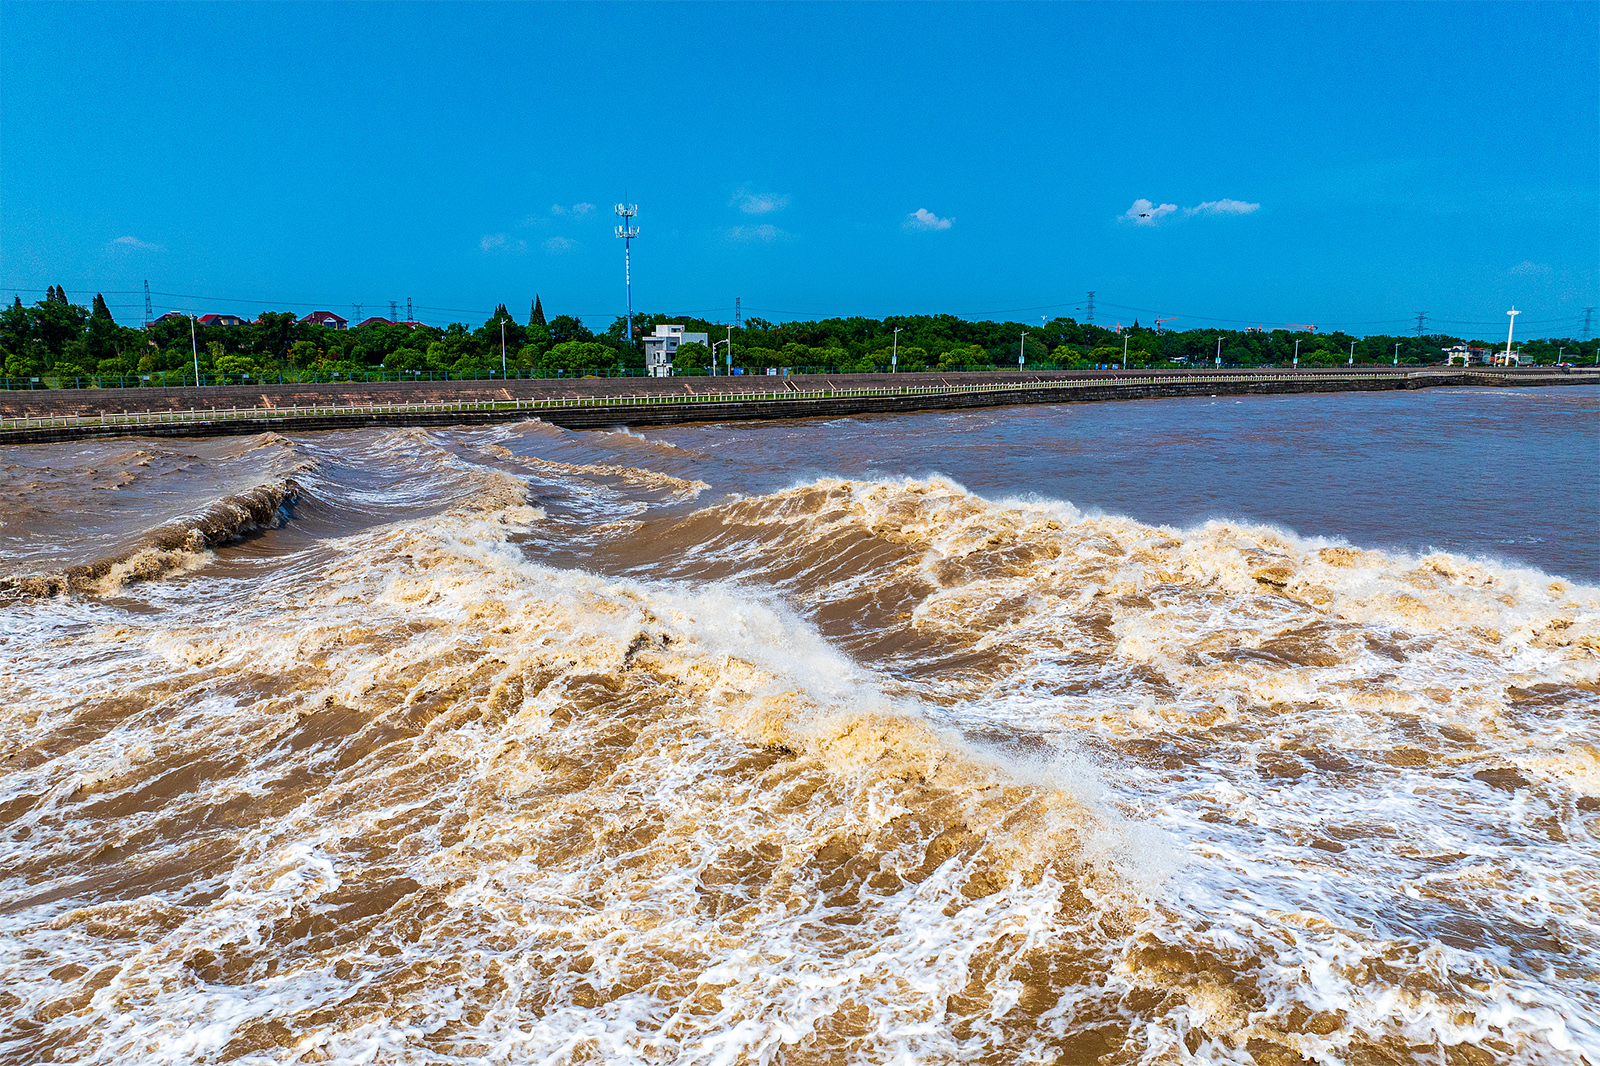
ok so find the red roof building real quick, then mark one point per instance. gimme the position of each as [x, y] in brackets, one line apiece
[325, 318]
[375, 320]
[221, 320]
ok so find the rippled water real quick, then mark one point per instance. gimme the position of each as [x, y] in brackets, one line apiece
[1230, 731]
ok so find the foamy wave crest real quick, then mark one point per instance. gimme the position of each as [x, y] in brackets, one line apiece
[179, 546]
[431, 800]
[625, 817]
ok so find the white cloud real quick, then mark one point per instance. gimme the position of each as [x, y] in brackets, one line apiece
[922, 220]
[1222, 207]
[764, 232]
[135, 244]
[500, 242]
[1528, 268]
[576, 209]
[1145, 213]
[760, 203]
[559, 245]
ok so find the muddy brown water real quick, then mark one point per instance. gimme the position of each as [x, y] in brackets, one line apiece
[1234, 730]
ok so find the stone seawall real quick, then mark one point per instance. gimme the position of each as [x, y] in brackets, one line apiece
[37, 417]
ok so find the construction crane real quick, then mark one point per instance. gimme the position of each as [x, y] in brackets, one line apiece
[1161, 320]
[1312, 326]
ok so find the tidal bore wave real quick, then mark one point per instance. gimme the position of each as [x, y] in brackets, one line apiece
[857, 771]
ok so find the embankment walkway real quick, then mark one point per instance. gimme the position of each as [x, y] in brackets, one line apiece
[57, 415]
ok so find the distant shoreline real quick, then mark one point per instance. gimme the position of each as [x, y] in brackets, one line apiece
[577, 403]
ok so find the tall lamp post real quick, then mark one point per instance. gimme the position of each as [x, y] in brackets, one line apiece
[628, 231]
[1510, 327]
[1352, 360]
[894, 353]
[1297, 353]
[1022, 349]
[1396, 353]
[1124, 351]
[502, 349]
[1219, 351]
[194, 347]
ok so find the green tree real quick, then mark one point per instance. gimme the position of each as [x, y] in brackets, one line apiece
[233, 365]
[406, 359]
[488, 334]
[303, 354]
[564, 328]
[692, 357]
[536, 316]
[103, 337]
[55, 324]
[579, 355]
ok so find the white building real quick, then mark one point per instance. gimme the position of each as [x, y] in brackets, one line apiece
[1467, 355]
[660, 348]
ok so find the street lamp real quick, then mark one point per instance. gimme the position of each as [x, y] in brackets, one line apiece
[502, 348]
[1296, 353]
[1022, 350]
[1124, 351]
[894, 354]
[194, 347]
[1511, 326]
[1396, 353]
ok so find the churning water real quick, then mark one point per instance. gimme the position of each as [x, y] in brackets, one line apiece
[1016, 736]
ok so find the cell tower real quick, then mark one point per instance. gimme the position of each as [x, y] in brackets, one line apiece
[628, 231]
[1421, 317]
[1588, 312]
[148, 314]
[1089, 307]
[737, 322]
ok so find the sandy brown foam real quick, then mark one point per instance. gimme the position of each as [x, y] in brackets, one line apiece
[1090, 791]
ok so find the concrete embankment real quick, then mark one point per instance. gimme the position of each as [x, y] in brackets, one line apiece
[51, 415]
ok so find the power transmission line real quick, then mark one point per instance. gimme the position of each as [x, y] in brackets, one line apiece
[1421, 317]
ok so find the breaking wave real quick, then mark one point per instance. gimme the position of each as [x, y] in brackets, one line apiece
[178, 546]
[861, 770]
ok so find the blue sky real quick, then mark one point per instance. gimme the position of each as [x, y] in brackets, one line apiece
[1343, 164]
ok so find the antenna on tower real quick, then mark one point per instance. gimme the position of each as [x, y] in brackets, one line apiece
[1421, 317]
[1587, 313]
[1089, 307]
[736, 313]
[628, 231]
[147, 311]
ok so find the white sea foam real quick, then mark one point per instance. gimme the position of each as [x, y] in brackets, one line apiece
[1164, 795]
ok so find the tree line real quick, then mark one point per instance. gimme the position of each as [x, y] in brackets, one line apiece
[58, 339]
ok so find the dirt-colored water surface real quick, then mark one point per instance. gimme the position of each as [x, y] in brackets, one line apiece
[1238, 730]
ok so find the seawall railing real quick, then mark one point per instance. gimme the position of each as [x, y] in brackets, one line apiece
[704, 406]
